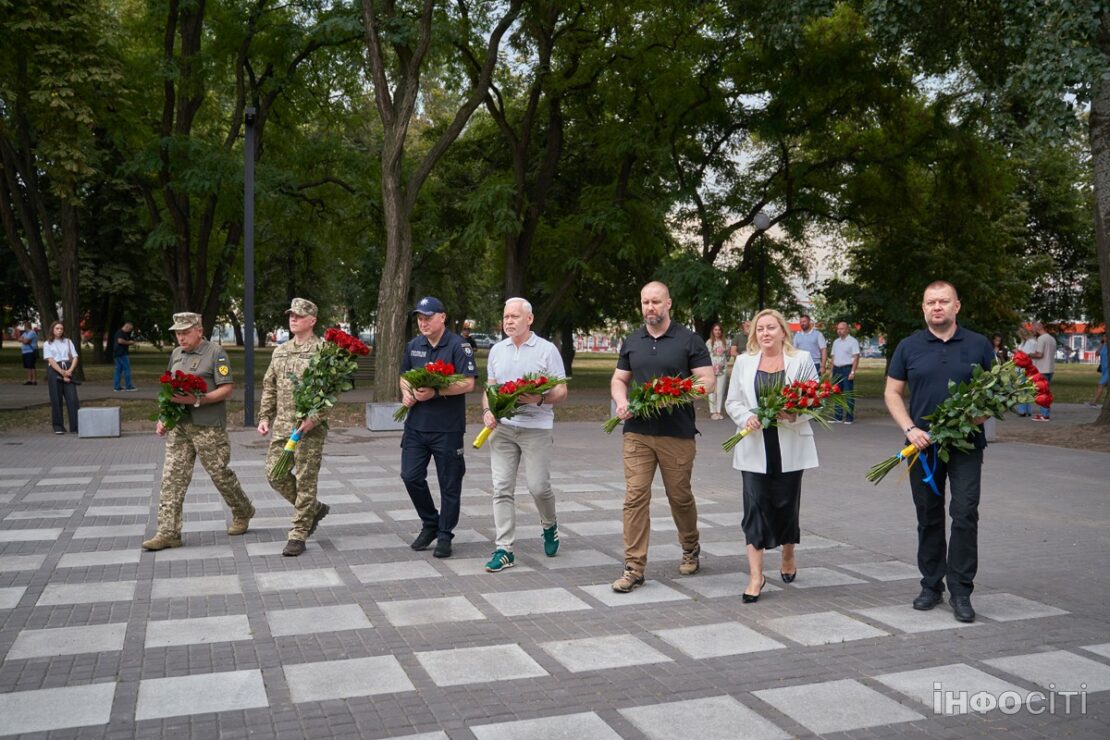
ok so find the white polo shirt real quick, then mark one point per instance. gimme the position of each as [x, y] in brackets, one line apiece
[60, 350]
[844, 350]
[508, 362]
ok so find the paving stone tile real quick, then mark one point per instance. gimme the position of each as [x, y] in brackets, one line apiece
[561, 727]
[201, 552]
[12, 563]
[1103, 649]
[209, 525]
[650, 593]
[402, 515]
[40, 497]
[728, 549]
[815, 542]
[929, 686]
[823, 628]
[86, 593]
[7, 498]
[712, 718]
[358, 517]
[14, 482]
[75, 469]
[29, 535]
[726, 584]
[884, 570]
[717, 640]
[270, 549]
[200, 694]
[313, 619]
[111, 493]
[98, 557]
[467, 536]
[477, 566]
[343, 679]
[1010, 608]
[367, 542]
[572, 557]
[590, 529]
[837, 706]
[115, 530]
[535, 601]
[19, 471]
[348, 469]
[723, 518]
[298, 579]
[402, 571]
[180, 588]
[43, 710]
[904, 617]
[607, 504]
[80, 481]
[128, 478]
[430, 611]
[95, 511]
[464, 666]
[39, 514]
[599, 653]
[11, 595]
[97, 638]
[1059, 670]
[197, 631]
[817, 577]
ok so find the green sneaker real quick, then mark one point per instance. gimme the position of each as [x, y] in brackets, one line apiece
[501, 560]
[551, 540]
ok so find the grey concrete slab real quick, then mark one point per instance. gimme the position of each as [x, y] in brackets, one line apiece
[477, 566]
[727, 549]
[95, 638]
[357, 517]
[535, 601]
[591, 529]
[127, 478]
[6, 498]
[599, 653]
[95, 511]
[343, 679]
[16, 516]
[815, 542]
[367, 542]
[430, 611]
[722, 518]
[14, 482]
[726, 584]
[561, 727]
[401, 571]
[717, 640]
[30, 535]
[823, 628]
[200, 694]
[114, 530]
[128, 493]
[1010, 608]
[75, 469]
[20, 471]
[13, 563]
[1103, 649]
[40, 497]
[884, 570]
[317, 619]
[818, 577]
[402, 515]
[271, 549]
[904, 617]
[607, 504]
[570, 556]
[298, 580]
[210, 525]
[86, 593]
[837, 706]
[651, 592]
[201, 552]
[463, 666]
[467, 536]
[933, 686]
[77, 481]
[43, 710]
[197, 631]
[181, 588]
[1059, 670]
[10, 596]
[712, 718]
[98, 557]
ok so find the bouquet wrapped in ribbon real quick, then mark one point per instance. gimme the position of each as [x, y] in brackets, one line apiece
[328, 374]
[176, 384]
[651, 399]
[504, 399]
[1042, 390]
[813, 399]
[989, 393]
[437, 375]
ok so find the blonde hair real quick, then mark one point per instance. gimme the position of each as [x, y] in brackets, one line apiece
[787, 337]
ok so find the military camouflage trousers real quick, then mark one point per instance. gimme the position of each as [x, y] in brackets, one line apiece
[184, 444]
[299, 486]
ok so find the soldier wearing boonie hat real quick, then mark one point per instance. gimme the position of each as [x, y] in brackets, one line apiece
[278, 414]
[203, 434]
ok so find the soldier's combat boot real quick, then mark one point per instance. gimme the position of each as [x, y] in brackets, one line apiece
[240, 524]
[162, 541]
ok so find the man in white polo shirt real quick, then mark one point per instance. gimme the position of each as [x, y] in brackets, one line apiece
[528, 434]
[845, 362]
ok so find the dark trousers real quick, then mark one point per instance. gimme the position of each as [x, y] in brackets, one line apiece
[61, 391]
[123, 371]
[417, 448]
[840, 377]
[958, 563]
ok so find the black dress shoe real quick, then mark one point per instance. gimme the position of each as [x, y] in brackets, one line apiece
[750, 598]
[443, 548]
[788, 577]
[927, 599]
[961, 607]
[424, 538]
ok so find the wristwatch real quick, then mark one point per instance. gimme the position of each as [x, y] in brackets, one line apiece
[540, 403]
[910, 428]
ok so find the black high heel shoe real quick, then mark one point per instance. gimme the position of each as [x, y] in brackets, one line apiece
[749, 598]
[788, 577]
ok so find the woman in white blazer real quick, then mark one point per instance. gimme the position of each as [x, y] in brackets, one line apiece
[771, 460]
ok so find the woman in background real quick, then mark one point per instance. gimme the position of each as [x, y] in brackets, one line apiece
[61, 360]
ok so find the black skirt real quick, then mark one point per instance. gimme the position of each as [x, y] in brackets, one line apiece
[772, 501]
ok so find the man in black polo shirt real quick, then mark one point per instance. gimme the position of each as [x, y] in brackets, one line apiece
[434, 426]
[927, 360]
[662, 347]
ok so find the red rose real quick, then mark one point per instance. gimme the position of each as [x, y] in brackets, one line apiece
[166, 377]
[836, 389]
[788, 405]
[1022, 360]
[1044, 399]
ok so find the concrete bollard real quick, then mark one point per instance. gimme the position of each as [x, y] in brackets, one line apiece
[98, 422]
[379, 417]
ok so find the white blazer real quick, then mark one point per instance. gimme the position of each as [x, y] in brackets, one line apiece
[795, 439]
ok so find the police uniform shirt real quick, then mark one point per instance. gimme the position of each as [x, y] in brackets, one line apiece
[442, 413]
[209, 361]
[927, 363]
[677, 352]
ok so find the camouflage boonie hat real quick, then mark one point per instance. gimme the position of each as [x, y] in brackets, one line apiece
[302, 307]
[185, 320]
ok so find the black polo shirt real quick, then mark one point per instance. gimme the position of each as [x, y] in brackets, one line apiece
[677, 352]
[928, 363]
[443, 413]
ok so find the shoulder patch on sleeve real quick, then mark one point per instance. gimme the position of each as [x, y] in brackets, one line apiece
[223, 370]
[467, 349]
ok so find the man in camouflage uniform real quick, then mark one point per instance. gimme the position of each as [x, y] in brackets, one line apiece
[278, 414]
[203, 434]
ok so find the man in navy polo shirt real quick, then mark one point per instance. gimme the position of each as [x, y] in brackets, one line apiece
[928, 360]
[662, 347]
[434, 426]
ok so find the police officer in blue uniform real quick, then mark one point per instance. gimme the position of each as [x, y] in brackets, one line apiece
[435, 426]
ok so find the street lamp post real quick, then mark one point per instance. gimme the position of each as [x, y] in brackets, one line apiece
[248, 268]
[762, 222]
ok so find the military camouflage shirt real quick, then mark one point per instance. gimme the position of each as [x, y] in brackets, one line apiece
[288, 362]
[209, 361]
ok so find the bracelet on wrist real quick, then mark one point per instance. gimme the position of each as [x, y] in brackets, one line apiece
[910, 428]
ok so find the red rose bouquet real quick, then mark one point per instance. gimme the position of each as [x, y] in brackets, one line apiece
[504, 399]
[438, 375]
[328, 374]
[651, 399]
[176, 384]
[812, 399]
[1042, 391]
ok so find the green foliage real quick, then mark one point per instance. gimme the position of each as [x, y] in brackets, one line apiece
[989, 393]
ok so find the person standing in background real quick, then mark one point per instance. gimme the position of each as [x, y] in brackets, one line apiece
[1044, 359]
[121, 347]
[719, 355]
[29, 346]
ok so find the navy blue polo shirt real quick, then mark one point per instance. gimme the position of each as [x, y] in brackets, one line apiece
[676, 352]
[443, 413]
[928, 363]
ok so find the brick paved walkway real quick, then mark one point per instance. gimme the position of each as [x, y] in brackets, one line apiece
[362, 637]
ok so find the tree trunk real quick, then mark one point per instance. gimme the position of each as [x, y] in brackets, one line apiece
[566, 347]
[393, 293]
[1100, 161]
